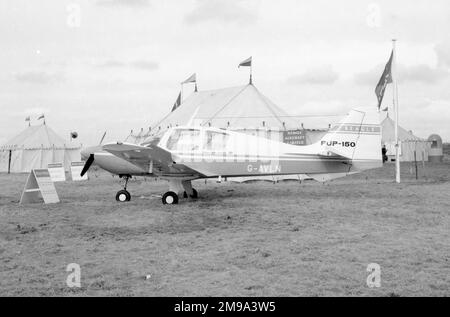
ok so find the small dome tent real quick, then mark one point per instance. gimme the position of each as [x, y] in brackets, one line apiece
[36, 147]
[436, 148]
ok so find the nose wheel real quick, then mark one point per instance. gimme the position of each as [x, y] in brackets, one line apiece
[123, 195]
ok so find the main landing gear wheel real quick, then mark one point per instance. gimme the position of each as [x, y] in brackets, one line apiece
[170, 198]
[123, 196]
[194, 194]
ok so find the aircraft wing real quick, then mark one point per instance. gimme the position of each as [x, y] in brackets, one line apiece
[150, 158]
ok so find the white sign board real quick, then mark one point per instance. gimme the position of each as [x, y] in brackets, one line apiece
[75, 170]
[57, 172]
[39, 186]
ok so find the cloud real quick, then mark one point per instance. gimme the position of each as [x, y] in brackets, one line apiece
[370, 77]
[316, 76]
[33, 112]
[39, 77]
[422, 73]
[418, 73]
[111, 64]
[124, 3]
[443, 54]
[137, 64]
[145, 65]
[224, 11]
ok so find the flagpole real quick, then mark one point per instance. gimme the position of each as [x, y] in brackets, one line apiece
[251, 73]
[395, 95]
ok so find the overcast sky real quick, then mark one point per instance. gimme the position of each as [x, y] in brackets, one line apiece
[116, 65]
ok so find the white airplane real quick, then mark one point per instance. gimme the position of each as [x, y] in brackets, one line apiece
[188, 153]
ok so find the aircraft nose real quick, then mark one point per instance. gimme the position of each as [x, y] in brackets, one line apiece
[86, 152]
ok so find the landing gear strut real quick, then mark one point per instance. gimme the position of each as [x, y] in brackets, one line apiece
[194, 194]
[123, 195]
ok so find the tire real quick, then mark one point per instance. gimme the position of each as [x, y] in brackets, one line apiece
[170, 198]
[123, 196]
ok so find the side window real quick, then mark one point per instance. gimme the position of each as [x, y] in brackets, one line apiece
[215, 141]
[173, 139]
[184, 140]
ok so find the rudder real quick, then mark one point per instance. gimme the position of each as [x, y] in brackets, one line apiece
[356, 137]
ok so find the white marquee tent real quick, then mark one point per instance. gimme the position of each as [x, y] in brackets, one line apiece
[409, 143]
[36, 147]
[236, 108]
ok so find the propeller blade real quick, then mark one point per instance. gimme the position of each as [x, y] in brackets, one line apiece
[87, 165]
[103, 137]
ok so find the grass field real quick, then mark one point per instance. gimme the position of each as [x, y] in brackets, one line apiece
[263, 239]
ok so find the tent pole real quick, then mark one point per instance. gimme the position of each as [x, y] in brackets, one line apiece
[415, 163]
[9, 162]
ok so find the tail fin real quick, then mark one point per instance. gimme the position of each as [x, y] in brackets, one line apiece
[358, 138]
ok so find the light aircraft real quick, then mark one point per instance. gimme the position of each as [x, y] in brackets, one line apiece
[95, 155]
[184, 154]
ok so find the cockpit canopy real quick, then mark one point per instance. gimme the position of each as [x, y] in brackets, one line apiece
[194, 139]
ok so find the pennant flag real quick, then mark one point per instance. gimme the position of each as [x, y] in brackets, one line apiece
[177, 103]
[246, 63]
[192, 79]
[27, 119]
[386, 109]
[42, 116]
[385, 79]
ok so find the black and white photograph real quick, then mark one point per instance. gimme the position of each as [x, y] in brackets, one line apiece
[224, 155]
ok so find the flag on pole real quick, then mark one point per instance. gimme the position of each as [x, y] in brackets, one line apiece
[42, 116]
[177, 103]
[246, 63]
[192, 79]
[27, 119]
[385, 79]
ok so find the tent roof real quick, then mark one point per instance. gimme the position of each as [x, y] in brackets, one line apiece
[240, 107]
[388, 128]
[39, 136]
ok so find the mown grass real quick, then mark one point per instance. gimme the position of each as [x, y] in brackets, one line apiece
[285, 239]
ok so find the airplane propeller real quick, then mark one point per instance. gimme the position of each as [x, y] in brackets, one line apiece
[91, 157]
[103, 137]
[88, 164]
